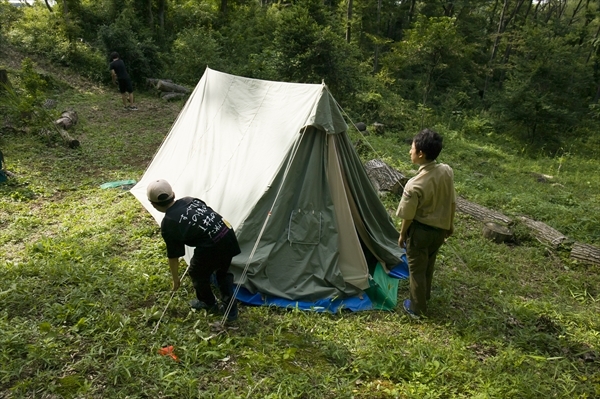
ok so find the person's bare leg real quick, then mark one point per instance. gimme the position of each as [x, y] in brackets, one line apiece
[124, 96]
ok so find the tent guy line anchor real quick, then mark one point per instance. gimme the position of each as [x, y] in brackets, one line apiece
[155, 329]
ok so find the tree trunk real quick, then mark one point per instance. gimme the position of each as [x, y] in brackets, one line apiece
[4, 82]
[586, 253]
[411, 12]
[479, 212]
[376, 58]
[161, 15]
[349, 21]
[544, 233]
[163, 85]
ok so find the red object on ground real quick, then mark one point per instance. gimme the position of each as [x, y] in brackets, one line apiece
[168, 351]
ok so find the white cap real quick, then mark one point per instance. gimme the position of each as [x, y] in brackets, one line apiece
[160, 192]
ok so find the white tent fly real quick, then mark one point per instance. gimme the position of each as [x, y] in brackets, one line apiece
[274, 159]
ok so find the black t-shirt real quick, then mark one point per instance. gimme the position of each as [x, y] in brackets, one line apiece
[189, 221]
[119, 67]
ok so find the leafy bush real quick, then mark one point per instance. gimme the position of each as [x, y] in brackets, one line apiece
[8, 16]
[307, 51]
[22, 102]
[192, 52]
[43, 33]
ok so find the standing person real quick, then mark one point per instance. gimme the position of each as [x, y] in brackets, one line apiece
[119, 75]
[427, 210]
[189, 221]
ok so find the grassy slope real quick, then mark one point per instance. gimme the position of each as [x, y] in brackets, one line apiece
[82, 270]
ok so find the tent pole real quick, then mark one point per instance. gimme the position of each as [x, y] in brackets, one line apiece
[243, 276]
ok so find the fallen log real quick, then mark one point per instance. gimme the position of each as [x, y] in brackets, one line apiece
[385, 178]
[479, 212]
[172, 96]
[163, 85]
[67, 120]
[150, 82]
[586, 253]
[544, 233]
[64, 135]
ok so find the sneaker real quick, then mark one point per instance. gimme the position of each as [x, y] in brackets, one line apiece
[199, 305]
[126, 108]
[407, 309]
[133, 108]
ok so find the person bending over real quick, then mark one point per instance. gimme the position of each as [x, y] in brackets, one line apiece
[189, 221]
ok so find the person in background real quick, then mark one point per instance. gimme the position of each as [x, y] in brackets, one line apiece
[189, 221]
[427, 211]
[121, 78]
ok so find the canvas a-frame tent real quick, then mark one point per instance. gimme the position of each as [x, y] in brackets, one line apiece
[275, 160]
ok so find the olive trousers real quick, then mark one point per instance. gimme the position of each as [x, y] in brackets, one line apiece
[422, 245]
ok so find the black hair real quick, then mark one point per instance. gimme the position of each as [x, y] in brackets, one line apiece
[165, 202]
[114, 55]
[429, 142]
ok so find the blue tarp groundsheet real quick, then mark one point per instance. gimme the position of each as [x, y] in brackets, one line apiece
[333, 305]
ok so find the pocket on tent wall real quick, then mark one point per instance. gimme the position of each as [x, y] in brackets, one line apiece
[304, 227]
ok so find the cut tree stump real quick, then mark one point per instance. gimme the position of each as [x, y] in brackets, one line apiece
[67, 120]
[384, 177]
[163, 85]
[479, 212]
[361, 126]
[544, 233]
[496, 232]
[586, 253]
[379, 128]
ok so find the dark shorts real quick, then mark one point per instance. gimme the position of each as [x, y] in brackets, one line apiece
[125, 86]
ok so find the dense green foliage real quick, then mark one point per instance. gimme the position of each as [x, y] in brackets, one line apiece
[530, 68]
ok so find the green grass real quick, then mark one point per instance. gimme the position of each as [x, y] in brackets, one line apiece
[83, 271]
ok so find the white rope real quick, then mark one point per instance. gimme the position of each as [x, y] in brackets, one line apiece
[353, 124]
[244, 273]
[168, 303]
[361, 133]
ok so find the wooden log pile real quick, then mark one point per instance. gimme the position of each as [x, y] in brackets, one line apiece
[541, 231]
[496, 225]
